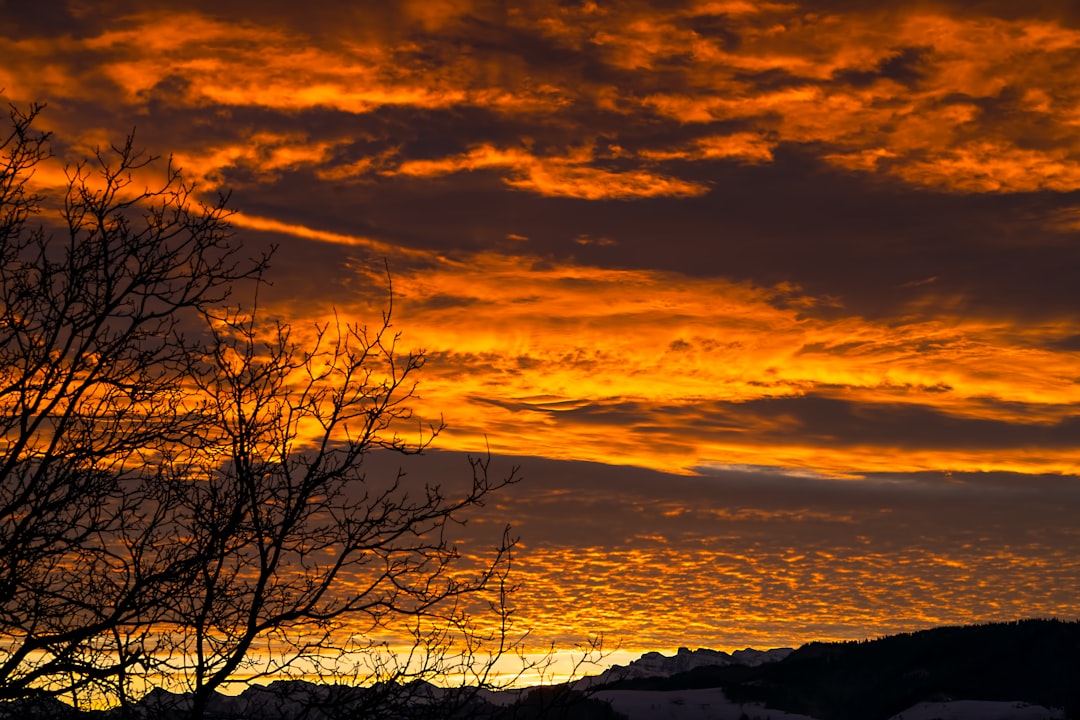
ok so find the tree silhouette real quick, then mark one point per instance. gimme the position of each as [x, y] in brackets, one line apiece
[93, 374]
[183, 496]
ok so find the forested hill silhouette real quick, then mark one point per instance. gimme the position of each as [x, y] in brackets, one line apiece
[1033, 661]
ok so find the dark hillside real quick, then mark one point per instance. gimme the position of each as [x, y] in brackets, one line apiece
[1036, 661]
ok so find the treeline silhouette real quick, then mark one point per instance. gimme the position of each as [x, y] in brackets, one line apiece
[1035, 661]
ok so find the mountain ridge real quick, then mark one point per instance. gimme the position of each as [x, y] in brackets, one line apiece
[1035, 661]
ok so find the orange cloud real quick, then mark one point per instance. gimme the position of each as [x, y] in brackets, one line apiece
[934, 133]
[955, 102]
[566, 176]
[302, 231]
[771, 596]
[996, 167]
[925, 117]
[663, 370]
[265, 154]
[743, 147]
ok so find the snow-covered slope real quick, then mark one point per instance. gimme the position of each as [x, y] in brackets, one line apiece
[978, 710]
[712, 705]
[709, 704]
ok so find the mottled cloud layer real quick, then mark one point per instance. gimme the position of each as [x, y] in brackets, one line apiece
[761, 557]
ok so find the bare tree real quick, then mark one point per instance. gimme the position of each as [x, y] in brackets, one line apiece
[298, 540]
[93, 368]
[183, 495]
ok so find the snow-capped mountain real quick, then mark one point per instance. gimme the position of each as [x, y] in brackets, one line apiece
[654, 664]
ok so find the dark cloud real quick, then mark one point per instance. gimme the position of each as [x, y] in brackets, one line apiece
[823, 421]
[56, 17]
[1041, 9]
[560, 503]
[716, 27]
[1069, 344]
[906, 66]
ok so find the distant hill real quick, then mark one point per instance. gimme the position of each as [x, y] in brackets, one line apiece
[1032, 661]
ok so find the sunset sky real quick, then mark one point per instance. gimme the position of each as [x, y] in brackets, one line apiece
[776, 304]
